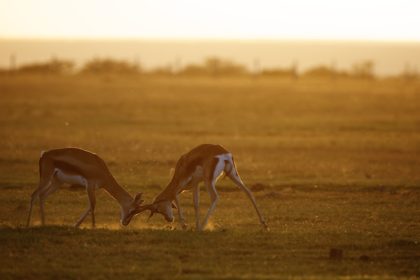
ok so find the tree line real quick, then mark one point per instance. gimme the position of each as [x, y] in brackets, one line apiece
[212, 67]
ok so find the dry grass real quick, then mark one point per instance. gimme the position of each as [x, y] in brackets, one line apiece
[337, 162]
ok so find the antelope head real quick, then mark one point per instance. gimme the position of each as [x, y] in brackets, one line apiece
[163, 207]
[128, 213]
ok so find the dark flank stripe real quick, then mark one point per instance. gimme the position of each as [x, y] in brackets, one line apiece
[68, 167]
[193, 165]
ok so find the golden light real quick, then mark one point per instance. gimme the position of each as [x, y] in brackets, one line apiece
[298, 19]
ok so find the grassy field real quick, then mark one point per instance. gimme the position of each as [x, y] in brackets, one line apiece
[333, 164]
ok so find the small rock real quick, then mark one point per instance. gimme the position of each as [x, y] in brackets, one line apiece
[364, 258]
[257, 187]
[273, 195]
[403, 243]
[336, 254]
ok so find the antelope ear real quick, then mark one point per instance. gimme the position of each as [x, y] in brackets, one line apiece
[174, 205]
[137, 199]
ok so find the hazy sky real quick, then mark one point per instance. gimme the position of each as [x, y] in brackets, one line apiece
[223, 19]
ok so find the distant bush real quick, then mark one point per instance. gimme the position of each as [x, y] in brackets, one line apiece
[109, 66]
[409, 73]
[194, 69]
[279, 72]
[165, 70]
[214, 67]
[363, 70]
[55, 66]
[324, 72]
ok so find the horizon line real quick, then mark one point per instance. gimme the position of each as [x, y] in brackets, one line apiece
[207, 39]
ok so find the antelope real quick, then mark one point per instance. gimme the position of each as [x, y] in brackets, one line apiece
[77, 166]
[206, 163]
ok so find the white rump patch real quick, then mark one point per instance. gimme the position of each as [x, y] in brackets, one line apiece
[220, 166]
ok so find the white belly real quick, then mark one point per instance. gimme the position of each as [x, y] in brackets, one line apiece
[69, 178]
[196, 176]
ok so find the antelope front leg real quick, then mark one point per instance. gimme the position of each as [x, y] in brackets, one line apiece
[43, 193]
[33, 198]
[180, 213]
[91, 208]
[92, 204]
[82, 218]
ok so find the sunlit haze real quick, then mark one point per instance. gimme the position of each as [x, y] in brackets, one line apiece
[297, 19]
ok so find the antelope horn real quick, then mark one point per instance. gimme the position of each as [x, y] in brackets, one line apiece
[142, 208]
[153, 210]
